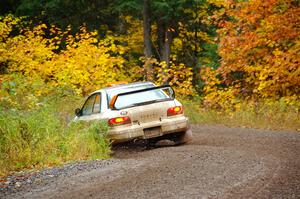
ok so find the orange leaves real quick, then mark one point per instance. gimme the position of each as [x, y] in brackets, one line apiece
[259, 46]
[261, 42]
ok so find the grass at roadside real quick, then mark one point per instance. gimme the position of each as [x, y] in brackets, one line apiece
[277, 115]
[43, 137]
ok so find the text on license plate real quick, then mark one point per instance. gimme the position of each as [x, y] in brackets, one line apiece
[152, 132]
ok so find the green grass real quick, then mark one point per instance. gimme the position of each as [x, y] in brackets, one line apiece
[276, 115]
[43, 137]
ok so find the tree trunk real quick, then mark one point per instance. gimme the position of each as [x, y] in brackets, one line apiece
[160, 38]
[166, 48]
[147, 40]
[164, 42]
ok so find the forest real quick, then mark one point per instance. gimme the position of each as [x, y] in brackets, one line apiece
[232, 62]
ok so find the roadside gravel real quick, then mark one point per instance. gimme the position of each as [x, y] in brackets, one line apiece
[220, 162]
[22, 181]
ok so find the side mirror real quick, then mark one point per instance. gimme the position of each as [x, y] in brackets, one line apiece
[78, 112]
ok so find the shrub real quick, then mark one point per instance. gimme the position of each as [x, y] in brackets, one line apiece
[43, 137]
[35, 128]
[265, 114]
[81, 61]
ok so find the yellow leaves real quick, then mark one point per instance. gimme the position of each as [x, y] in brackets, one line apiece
[209, 76]
[134, 34]
[224, 99]
[94, 65]
[219, 3]
[178, 76]
[277, 52]
[6, 25]
[177, 43]
[86, 63]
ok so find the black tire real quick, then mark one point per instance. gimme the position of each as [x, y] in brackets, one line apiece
[182, 137]
[177, 138]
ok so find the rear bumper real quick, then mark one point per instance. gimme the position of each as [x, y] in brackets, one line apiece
[136, 131]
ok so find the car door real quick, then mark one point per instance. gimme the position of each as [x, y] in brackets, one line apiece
[91, 109]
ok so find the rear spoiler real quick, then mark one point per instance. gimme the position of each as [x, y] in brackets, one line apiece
[114, 99]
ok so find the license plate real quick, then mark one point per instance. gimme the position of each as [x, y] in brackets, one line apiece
[152, 132]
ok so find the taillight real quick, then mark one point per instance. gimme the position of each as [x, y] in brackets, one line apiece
[176, 110]
[119, 121]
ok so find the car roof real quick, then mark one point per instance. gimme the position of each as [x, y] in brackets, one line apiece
[123, 86]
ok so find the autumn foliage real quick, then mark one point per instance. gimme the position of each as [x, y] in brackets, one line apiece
[233, 62]
[258, 44]
[260, 51]
[82, 62]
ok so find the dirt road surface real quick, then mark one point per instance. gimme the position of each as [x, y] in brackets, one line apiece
[221, 162]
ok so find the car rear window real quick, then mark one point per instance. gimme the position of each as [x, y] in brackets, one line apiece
[139, 98]
[116, 91]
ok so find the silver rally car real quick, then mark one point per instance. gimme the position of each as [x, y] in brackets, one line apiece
[137, 111]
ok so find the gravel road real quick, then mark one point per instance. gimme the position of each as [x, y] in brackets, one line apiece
[220, 162]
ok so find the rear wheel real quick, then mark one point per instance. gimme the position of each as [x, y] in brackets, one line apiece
[177, 138]
[182, 137]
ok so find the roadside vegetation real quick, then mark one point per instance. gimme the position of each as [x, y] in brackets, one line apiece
[274, 115]
[37, 139]
[43, 135]
[233, 62]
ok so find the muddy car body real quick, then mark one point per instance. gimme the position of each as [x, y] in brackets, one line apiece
[137, 111]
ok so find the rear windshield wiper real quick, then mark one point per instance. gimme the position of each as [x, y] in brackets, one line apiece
[144, 103]
[147, 102]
